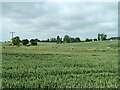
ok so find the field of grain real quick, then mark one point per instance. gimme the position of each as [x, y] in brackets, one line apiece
[51, 65]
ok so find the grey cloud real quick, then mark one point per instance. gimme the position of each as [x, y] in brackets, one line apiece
[60, 18]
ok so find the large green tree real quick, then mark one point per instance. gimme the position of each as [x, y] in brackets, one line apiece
[16, 40]
[66, 39]
[72, 40]
[59, 40]
[25, 41]
[33, 42]
[102, 36]
[98, 36]
[53, 40]
[105, 37]
[87, 40]
[77, 39]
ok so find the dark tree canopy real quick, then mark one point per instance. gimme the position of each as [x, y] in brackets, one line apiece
[25, 41]
[37, 40]
[77, 39]
[66, 39]
[33, 42]
[98, 36]
[59, 40]
[16, 40]
[87, 40]
[102, 36]
[53, 40]
[95, 39]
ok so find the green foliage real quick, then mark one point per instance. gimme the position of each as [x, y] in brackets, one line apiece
[66, 39]
[53, 40]
[102, 37]
[98, 36]
[114, 38]
[25, 41]
[77, 39]
[95, 39]
[33, 42]
[37, 40]
[87, 40]
[72, 40]
[47, 40]
[59, 40]
[16, 41]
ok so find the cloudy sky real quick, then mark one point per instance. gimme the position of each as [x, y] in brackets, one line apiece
[45, 20]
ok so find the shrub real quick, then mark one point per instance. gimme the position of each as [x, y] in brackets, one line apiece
[25, 41]
[33, 42]
[87, 40]
[16, 41]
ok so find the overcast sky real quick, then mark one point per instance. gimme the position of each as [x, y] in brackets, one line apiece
[45, 20]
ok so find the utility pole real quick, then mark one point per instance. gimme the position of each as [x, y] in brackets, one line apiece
[12, 33]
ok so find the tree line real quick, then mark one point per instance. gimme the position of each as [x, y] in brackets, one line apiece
[67, 39]
[16, 41]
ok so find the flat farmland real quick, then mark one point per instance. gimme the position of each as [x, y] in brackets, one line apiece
[51, 65]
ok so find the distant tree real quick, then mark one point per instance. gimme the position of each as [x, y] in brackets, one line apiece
[71, 40]
[47, 40]
[53, 40]
[77, 39]
[25, 41]
[103, 37]
[43, 41]
[66, 39]
[90, 39]
[59, 40]
[37, 40]
[95, 39]
[33, 42]
[58, 37]
[99, 36]
[87, 39]
[16, 40]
